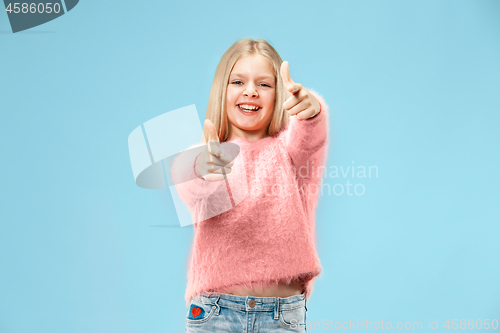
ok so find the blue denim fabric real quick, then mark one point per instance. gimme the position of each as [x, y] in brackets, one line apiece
[217, 312]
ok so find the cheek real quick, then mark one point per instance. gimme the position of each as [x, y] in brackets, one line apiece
[231, 97]
[270, 100]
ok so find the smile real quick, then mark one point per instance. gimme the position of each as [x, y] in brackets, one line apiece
[246, 109]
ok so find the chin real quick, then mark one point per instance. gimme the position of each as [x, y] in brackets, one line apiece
[248, 127]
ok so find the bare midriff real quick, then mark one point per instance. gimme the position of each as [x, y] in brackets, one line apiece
[277, 290]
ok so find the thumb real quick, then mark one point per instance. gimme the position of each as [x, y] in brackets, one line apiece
[289, 84]
[212, 137]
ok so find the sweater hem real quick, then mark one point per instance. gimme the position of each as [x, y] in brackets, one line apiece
[306, 280]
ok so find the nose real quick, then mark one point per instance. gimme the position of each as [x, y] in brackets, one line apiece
[250, 91]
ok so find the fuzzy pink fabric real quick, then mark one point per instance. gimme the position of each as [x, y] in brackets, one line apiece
[269, 237]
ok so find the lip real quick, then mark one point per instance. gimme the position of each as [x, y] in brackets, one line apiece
[248, 113]
[248, 103]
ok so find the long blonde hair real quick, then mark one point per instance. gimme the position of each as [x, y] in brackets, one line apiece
[216, 108]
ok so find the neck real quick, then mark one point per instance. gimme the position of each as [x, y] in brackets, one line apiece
[253, 135]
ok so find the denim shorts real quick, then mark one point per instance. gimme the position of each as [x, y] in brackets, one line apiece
[218, 312]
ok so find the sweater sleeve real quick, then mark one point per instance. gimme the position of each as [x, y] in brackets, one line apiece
[306, 142]
[307, 139]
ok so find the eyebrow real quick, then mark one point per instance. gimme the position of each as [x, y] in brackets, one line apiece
[260, 77]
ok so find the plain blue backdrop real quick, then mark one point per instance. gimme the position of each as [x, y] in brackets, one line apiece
[413, 89]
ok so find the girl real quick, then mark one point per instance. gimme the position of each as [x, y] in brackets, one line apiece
[252, 266]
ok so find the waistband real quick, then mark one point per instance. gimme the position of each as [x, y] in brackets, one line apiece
[252, 303]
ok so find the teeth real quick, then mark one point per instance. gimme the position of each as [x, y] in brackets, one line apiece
[249, 107]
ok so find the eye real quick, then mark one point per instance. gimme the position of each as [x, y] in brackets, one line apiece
[266, 85]
[236, 82]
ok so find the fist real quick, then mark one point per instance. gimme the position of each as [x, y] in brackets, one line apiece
[213, 163]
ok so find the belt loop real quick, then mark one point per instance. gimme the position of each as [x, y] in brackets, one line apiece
[217, 311]
[276, 308]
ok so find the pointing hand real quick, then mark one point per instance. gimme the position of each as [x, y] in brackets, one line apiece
[212, 164]
[301, 102]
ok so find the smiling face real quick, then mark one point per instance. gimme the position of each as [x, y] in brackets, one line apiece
[250, 97]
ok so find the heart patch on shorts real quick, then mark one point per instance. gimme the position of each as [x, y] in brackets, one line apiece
[196, 312]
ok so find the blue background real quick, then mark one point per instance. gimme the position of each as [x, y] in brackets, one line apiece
[413, 89]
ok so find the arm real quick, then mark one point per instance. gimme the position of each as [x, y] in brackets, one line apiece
[306, 140]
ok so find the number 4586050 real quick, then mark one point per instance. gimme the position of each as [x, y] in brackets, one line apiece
[471, 324]
[33, 8]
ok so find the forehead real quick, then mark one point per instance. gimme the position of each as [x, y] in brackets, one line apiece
[253, 66]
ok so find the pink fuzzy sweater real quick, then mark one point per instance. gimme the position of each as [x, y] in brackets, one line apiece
[268, 237]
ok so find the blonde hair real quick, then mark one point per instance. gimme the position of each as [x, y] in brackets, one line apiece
[216, 107]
